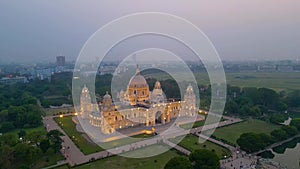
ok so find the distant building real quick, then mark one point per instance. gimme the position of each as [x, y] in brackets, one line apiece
[107, 70]
[248, 68]
[13, 80]
[43, 74]
[267, 68]
[60, 61]
[296, 68]
[284, 68]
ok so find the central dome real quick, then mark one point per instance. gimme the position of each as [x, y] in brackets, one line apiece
[138, 89]
[138, 81]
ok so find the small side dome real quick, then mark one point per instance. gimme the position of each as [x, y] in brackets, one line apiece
[85, 89]
[106, 96]
[157, 85]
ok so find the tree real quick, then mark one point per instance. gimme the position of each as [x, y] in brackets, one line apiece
[278, 134]
[21, 133]
[204, 159]
[232, 107]
[179, 163]
[268, 97]
[250, 142]
[296, 122]
[278, 118]
[7, 126]
[6, 156]
[44, 145]
[290, 130]
[9, 139]
[293, 99]
[55, 140]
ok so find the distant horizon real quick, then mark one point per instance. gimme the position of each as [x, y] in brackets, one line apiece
[118, 61]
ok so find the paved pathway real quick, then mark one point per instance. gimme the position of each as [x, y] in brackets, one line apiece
[74, 156]
[276, 144]
[177, 147]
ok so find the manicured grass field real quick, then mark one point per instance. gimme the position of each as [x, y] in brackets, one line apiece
[69, 127]
[124, 141]
[200, 123]
[86, 147]
[193, 125]
[48, 161]
[191, 143]
[232, 133]
[118, 162]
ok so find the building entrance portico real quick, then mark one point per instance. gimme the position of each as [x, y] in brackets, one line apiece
[158, 117]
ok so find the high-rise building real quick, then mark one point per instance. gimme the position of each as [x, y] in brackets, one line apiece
[60, 60]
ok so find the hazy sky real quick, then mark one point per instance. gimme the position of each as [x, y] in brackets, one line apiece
[38, 30]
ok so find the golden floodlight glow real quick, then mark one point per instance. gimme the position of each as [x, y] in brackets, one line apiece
[76, 114]
[61, 116]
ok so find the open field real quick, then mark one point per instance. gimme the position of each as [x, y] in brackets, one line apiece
[118, 162]
[191, 143]
[232, 133]
[274, 80]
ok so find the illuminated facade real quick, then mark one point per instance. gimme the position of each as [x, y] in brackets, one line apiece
[143, 107]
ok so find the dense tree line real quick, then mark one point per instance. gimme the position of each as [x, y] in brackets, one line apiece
[18, 109]
[261, 103]
[25, 153]
[199, 159]
[252, 142]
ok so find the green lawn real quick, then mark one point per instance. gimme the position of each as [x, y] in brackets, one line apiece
[48, 161]
[69, 127]
[193, 125]
[191, 143]
[86, 147]
[29, 130]
[119, 162]
[200, 123]
[124, 141]
[232, 133]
